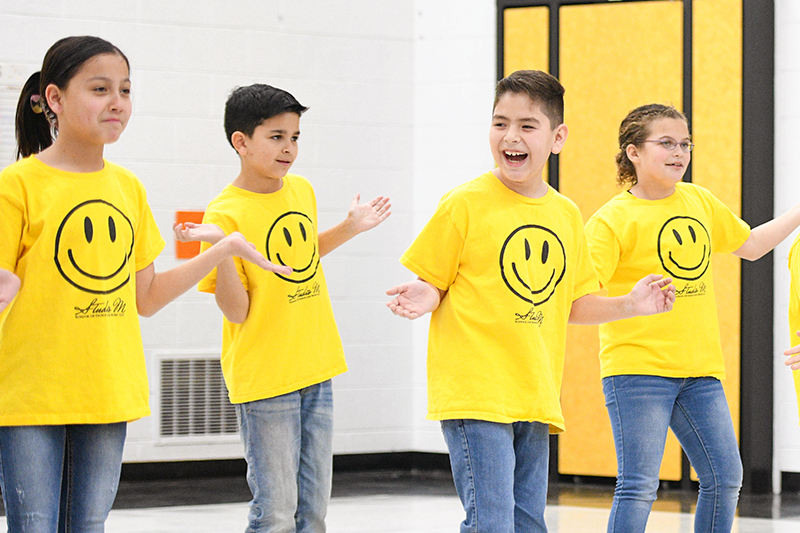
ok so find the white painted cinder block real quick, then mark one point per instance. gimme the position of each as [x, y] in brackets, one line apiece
[366, 69]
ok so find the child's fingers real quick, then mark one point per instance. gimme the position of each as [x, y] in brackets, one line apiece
[278, 269]
[794, 350]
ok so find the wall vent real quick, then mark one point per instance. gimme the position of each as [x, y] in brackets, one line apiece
[194, 399]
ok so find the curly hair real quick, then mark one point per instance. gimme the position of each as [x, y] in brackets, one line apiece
[634, 130]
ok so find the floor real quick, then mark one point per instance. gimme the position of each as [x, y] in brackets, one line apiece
[405, 502]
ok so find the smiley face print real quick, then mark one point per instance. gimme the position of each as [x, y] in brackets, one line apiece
[684, 248]
[93, 247]
[291, 241]
[533, 262]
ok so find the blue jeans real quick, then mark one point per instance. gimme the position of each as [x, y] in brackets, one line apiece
[289, 452]
[60, 478]
[641, 409]
[500, 473]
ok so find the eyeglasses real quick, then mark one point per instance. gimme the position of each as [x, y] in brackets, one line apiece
[669, 144]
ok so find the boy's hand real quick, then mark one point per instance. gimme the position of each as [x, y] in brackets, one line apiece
[366, 216]
[652, 294]
[793, 362]
[413, 299]
[9, 287]
[191, 232]
[247, 251]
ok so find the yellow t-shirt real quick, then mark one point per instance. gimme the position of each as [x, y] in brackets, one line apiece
[289, 339]
[70, 344]
[794, 305]
[511, 266]
[631, 238]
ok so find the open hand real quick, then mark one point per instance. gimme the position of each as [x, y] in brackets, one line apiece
[369, 214]
[413, 299]
[653, 294]
[247, 251]
[191, 232]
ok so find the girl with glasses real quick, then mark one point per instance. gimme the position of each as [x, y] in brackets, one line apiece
[664, 371]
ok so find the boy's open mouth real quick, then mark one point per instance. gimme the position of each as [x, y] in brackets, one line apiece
[515, 157]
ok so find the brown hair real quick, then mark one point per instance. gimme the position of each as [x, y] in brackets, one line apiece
[634, 130]
[540, 87]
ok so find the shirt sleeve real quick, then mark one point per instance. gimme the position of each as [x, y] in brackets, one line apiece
[604, 249]
[586, 281]
[729, 232]
[12, 220]
[148, 239]
[435, 254]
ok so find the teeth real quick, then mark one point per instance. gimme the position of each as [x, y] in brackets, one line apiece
[515, 153]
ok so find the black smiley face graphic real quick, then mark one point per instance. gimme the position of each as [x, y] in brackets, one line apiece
[684, 248]
[533, 262]
[94, 244]
[291, 242]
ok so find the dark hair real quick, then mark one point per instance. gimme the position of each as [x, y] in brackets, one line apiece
[634, 130]
[36, 129]
[540, 87]
[247, 107]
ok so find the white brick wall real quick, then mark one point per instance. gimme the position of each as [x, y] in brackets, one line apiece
[399, 92]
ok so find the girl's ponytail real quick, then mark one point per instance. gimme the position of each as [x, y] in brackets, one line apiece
[33, 128]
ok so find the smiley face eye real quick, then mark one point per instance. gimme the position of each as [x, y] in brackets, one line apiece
[545, 251]
[694, 235]
[527, 250]
[287, 236]
[88, 229]
[112, 229]
[677, 236]
[303, 232]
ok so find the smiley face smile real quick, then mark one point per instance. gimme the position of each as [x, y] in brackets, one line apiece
[93, 247]
[532, 263]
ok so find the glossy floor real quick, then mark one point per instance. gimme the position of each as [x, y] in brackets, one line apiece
[402, 502]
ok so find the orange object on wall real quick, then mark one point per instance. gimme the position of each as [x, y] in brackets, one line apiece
[187, 250]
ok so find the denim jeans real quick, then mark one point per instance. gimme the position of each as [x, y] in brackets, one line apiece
[288, 447]
[500, 473]
[641, 409]
[60, 478]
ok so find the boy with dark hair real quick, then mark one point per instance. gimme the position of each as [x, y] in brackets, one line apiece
[503, 265]
[280, 346]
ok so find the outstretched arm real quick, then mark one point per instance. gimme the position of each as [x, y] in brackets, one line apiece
[768, 235]
[360, 218]
[155, 290]
[9, 286]
[651, 295]
[231, 296]
[414, 299]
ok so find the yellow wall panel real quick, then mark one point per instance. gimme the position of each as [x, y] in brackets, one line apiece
[526, 42]
[526, 39]
[717, 160]
[613, 58]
